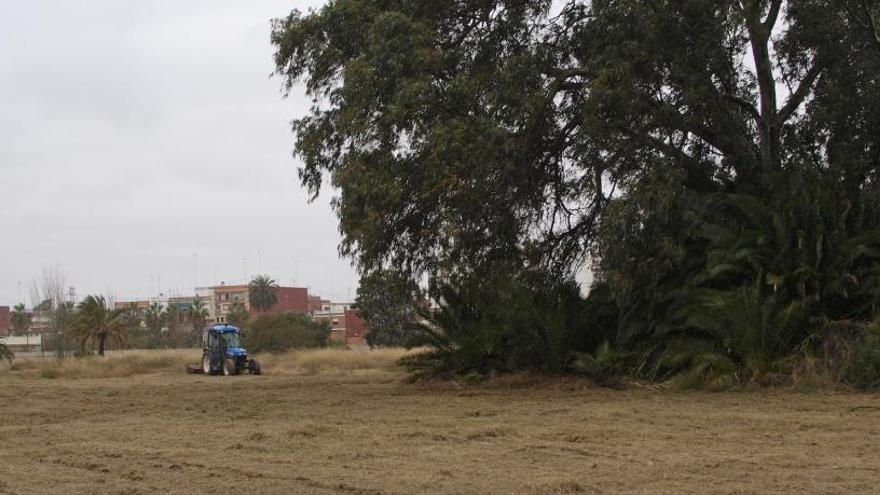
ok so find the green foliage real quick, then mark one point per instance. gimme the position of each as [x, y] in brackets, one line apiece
[154, 318]
[604, 365]
[174, 319]
[388, 302]
[593, 320]
[63, 318]
[95, 322]
[6, 353]
[238, 315]
[198, 316]
[262, 292]
[728, 221]
[749, 281]
[863, 371]
[497, 323]
[21, 320]
[283, 331]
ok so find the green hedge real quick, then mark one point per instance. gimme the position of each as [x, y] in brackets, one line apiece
[283, 331]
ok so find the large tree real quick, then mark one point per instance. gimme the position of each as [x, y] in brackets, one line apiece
[468, 133]
[389, 303]
[468, 139]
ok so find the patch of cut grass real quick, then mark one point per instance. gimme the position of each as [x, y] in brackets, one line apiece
[121, 364]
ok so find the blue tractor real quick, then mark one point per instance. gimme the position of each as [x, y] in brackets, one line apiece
[223, 352]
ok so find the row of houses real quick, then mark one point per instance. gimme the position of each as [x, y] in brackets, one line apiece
[345, 323]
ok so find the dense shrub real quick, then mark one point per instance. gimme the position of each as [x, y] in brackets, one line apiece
[751, 283]
[502, 323]
[863, 371]
[283, 331]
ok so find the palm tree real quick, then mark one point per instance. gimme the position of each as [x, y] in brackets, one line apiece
[154, 317]
[96, 322]
[198, 314]
[198, 317]
[172, 320]
[21, 319]
[262, 292]
[21, 322]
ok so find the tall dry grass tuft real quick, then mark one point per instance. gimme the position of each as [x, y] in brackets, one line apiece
[120, 364]
[315, 360]
[115, 364]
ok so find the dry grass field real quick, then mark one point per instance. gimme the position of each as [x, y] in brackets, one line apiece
[347, 422]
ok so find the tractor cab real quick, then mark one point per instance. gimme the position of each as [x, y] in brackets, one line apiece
[223, 352]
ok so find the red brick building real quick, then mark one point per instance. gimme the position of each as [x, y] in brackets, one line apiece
[318, 304]
[346, 327]
[5, 320]
[355, 328]
[294, 299]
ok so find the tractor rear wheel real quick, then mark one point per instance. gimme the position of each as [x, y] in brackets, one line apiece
[206, 364]
[229, 367]
[255, 367]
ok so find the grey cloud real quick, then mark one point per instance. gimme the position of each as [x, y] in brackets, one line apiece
[135, 134]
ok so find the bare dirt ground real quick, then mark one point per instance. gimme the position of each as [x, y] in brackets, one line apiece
[364, 431]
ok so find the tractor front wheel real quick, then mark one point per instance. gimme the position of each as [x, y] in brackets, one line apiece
[254, 367]
[206, 364]
[229, 367]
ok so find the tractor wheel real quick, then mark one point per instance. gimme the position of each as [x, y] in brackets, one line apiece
[206, 364]
[255, 367]
[229, 367]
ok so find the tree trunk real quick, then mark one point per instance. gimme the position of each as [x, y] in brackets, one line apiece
[102, 339]
[759, 38]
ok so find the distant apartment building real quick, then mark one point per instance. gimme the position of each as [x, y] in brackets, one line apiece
[355, 328]
[139, 306]
[5, 320]
[224, 296]
[346, 324]
[206, 295]
[318, 304]
[295, 299]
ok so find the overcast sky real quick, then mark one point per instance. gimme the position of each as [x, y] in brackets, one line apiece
[143, 140]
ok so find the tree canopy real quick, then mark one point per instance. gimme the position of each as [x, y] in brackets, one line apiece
[710, 158]
[460, 133]
[388, 303]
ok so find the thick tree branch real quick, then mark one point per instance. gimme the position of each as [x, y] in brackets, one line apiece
[664, 148]
[670, 116]
[864, 7]
[745, 105]
[873, 25]
[795, 100]
[759, 38]
[772, 15]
